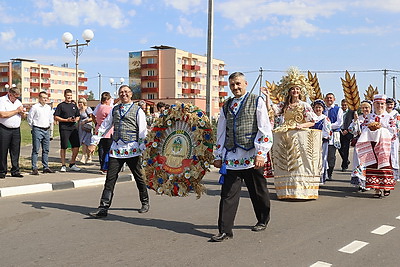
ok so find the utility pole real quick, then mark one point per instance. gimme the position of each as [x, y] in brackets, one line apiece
[209, 56]
[384, 81]
[394, 86]
[99, 86]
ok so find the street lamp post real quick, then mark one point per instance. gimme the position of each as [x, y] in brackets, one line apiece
[77, 50]
[121, 81]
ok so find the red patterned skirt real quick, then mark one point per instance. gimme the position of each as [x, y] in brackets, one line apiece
[268, 170]
[380, 178]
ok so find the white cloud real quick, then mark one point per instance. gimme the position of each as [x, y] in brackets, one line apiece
[132, 12]
[9, 41]
[185, 28]
[76, 12]
[392, 6]
[186, 6]
[7, 36]
[169, 26]
[143, 40]
[366, 30]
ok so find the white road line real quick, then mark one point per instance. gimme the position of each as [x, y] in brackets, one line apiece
[384, 229]
[398, 217]
[321, 264]
[353, 247]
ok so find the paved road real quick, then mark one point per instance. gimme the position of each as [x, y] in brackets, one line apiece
[48, 229]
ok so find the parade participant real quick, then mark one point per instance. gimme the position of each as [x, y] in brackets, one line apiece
[85, 128]
[345, 136]
[373, 148]
[394, 152]
[243, 140]
[297, 149]
[11, 112]
[322, 123]
[40, 118]
[130, 131]
[105, 142]
[355, 128]
[67, 114]
[335, 115]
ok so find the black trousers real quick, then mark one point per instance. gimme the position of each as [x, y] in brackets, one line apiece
[344, 149]
[114, 167]
[10, 141]
[104, 148]
[230, 195]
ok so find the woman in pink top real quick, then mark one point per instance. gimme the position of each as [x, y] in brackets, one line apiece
[101, 113]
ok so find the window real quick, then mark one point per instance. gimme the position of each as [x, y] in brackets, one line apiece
[26, 89]
[150, 60]
[150, 73]
[25, 69]
[150, 85]
[179, 85]
[179, 73]
[150, 96]
[179, 60]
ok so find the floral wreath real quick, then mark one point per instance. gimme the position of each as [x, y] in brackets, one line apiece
[193, 125]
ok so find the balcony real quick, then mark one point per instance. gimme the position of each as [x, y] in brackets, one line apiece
[195, 67]
[223, 94]
[82, 88]
[149, 78]
[35, 74]
[195, 91]
[4, 73]
[186, 67]
[35, 84]
[82, 79]
[2, 84]
[223, 83]
[150, 66]
[186, 91]
[45, 75]
[223, 72]
[34, 94]
[46, 85]
[150, 90]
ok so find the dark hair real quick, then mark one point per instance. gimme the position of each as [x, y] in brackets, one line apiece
[67, 91]
[43, 93]
[105, 96]
[330, 94]
[235, 75]
[160, 105]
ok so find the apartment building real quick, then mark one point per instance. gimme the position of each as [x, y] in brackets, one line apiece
[32, 77]
[169, 74]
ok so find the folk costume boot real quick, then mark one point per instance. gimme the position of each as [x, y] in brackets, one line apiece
[105, 203]
[144, 199]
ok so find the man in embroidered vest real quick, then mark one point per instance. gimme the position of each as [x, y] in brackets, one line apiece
[130, 130]
[335, 115]
[244, 138]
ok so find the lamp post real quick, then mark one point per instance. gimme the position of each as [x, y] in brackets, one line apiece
[121, 81]
[77, 50]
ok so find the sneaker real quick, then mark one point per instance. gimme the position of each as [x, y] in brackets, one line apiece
[63, 168]
[74, 168]
[89, 161]
[48, 170]
[35, 172]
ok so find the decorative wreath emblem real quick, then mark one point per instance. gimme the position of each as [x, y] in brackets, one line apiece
[179, 151]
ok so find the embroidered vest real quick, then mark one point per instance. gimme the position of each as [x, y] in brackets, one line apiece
[332, 115]
[241, 128]
[125, 126]
[318, 125]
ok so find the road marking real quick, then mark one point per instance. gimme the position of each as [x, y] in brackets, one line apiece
[25, 189]
[398, 217]
[384, 229]
[353, 247]
[321, 264]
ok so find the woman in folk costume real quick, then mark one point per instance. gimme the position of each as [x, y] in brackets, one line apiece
[296, 151]
[373, 148]
[394, 153]
[324, 124]
[358, 124]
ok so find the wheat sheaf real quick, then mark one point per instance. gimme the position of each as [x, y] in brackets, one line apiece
[371, 91]
[288, 154]
[350, 91]
[313, 79]
[274, 94]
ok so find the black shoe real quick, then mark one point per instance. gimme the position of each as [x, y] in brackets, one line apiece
[100, 213]
[145, 208]
[35, 172]
[2, 175]
[221, 237]
[259, 227]
[17, 174]
[48, 170]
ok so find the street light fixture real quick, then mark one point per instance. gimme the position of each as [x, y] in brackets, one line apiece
[121, 81]
[77, 50]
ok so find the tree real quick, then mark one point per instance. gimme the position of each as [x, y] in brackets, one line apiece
[90, 95]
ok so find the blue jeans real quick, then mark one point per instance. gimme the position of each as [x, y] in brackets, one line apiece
[40, 137]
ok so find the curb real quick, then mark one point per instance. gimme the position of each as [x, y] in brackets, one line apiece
[46, 187]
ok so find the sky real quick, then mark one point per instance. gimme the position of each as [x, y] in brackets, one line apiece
[326, 37]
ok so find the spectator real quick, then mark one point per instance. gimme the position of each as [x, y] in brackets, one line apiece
[11, 112]
[67, 114]
[345, 135]
[40, 119]
[85, 129]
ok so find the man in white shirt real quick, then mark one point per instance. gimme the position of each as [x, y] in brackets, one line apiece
[40, 119]
[11, 111]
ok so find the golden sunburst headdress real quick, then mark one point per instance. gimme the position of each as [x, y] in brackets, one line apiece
[295, 78]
